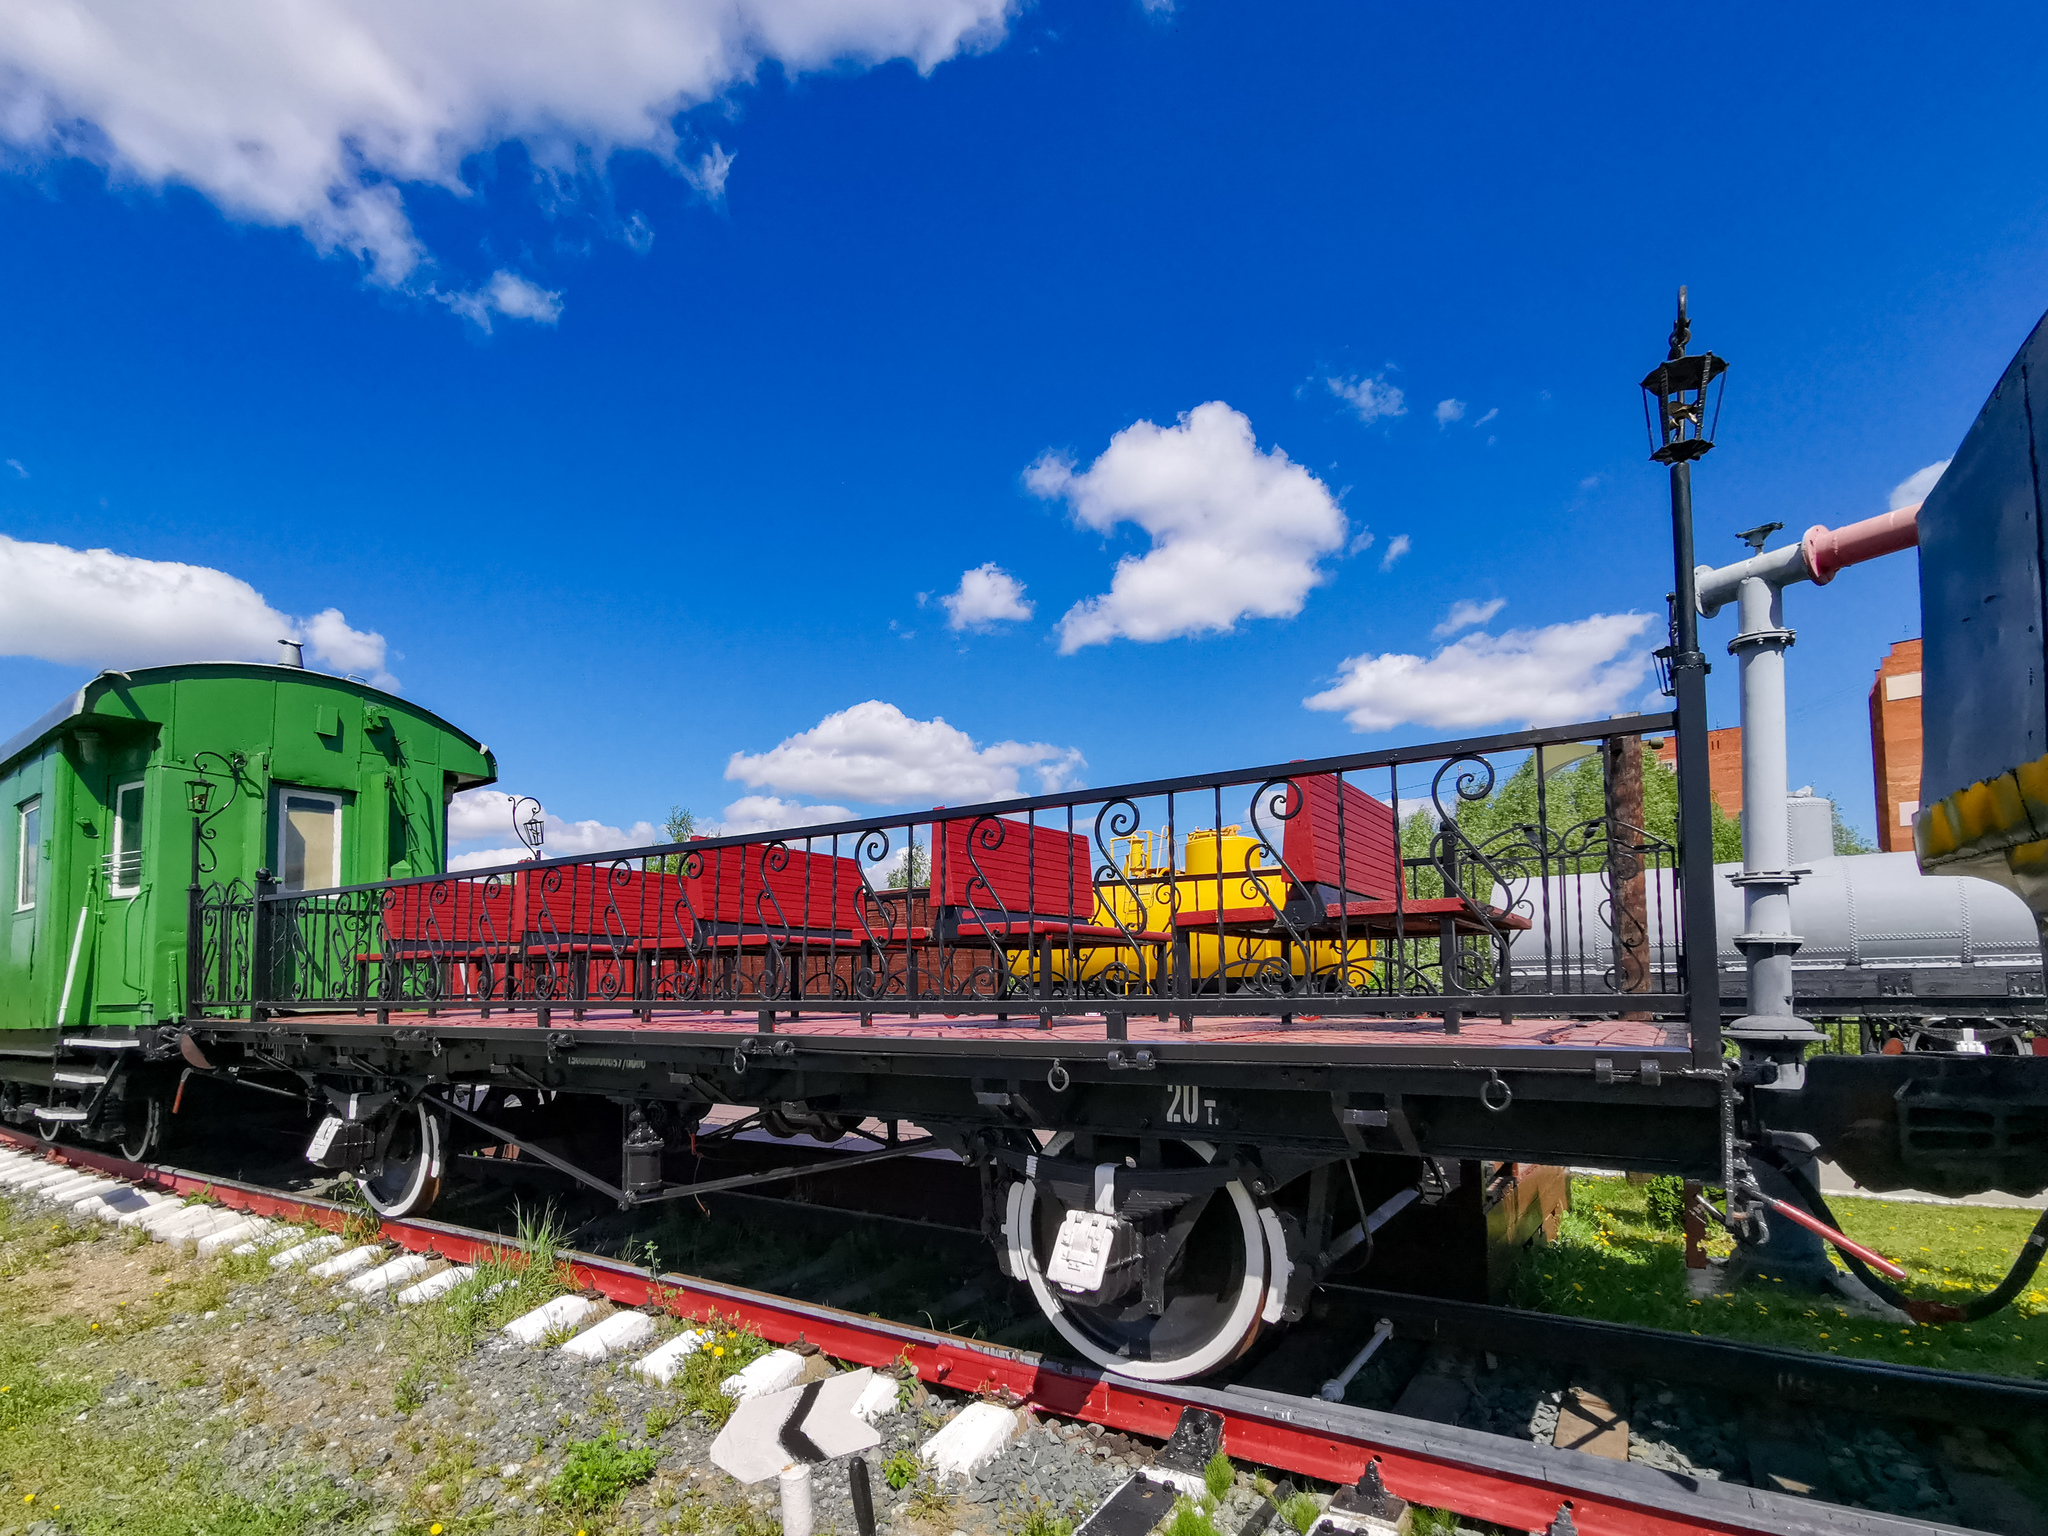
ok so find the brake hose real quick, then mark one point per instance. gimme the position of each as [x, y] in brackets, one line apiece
[1924, 1309]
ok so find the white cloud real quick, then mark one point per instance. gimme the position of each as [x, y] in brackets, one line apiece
[987, 595]
[876, 754]
[477, 814]
[15, 465]
[709, 173]
[1235, 532]
[1397, 546]
[1370, 398]
[1576, 671]
[1482, 421]
[1912, 490]
[1362, 543]
[1448, 411]
[322, 115]
[92, 607]
[1465, 613]
[508, 294]
[766, 813]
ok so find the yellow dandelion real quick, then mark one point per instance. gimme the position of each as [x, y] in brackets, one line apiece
[718, 1349]
[434, 1529]
[28, 1498]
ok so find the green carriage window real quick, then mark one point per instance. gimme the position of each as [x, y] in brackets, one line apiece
[29, 853]
[309, 837]
[124, 866]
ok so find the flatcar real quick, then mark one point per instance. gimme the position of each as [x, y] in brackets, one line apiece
[1204, 1042]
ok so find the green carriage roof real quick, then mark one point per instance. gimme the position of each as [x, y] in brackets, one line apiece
[80, 702]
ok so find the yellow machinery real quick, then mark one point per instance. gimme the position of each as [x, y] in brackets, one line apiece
[1142, 903]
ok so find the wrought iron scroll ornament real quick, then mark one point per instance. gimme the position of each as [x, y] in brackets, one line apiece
[231, 766]
[784, 918]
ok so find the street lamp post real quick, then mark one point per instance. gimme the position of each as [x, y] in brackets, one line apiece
[1682, 431]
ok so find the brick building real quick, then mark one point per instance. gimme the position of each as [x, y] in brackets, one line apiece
[1724, 766]
[1895, 745]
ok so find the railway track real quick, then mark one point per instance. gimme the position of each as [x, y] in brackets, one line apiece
[1397, 1437]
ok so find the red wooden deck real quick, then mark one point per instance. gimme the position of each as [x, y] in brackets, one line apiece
[1305, 1029]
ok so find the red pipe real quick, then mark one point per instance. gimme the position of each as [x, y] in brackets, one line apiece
[1875, 1260]
[1829, 550]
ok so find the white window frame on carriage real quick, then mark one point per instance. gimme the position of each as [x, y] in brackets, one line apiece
[123, 880]
[28, 852]
[286, 794]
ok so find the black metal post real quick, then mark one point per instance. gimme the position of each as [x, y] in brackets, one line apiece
[260, 922]
[1695, 802]
[194, 933]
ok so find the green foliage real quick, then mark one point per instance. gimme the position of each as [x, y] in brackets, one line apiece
[1190, 1519]
[1847, 839]
[915, 872]
[899, 1471]
[409, 1395]
[598, 1472]
[1301, 1511]
[1612, 1263]
[729, 1349]
[1664, 1201]
[1040, 1519]
[1218, 1475]
[1727, 835]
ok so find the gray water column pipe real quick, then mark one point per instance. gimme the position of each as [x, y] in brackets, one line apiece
[1772, 1028]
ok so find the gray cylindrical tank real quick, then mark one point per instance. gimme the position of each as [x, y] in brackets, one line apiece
[1866, 910]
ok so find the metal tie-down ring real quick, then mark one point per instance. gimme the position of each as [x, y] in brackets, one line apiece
[1058, 1079]
[1487, 1096]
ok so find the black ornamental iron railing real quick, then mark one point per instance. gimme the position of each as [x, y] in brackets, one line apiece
[1530, 874]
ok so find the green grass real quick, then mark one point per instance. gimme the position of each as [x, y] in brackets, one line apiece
[730, 1349]
[1190, 1519]
[1301, 1511]
[136, 1477]
[1612, 1261]
[597, 1473]
[1218, 1475]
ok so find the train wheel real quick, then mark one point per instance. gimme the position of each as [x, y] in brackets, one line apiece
[1215, 1292]
[144, 1128]
[408, 1181]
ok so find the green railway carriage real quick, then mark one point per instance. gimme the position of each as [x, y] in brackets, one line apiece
[140, 779]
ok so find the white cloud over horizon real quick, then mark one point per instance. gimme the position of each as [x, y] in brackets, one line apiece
[475, 815]
[1465, 613]
[1369, 399]
[1397, 546]
[1912, 490]
[768, 813]
[875, 754]
[323, 115]
[93, 607]
[1448, 411]
[1581, 670]
[1236, 532]
[987, 595]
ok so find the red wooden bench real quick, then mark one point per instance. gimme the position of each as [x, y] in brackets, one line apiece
[1013, 887]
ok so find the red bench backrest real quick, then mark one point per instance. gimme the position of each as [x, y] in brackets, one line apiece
[809, 890]
[1365, 860]
[463, 913]
[1040, 870]
[601, 901]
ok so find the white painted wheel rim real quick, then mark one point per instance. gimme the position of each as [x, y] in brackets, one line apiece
[1230, 1339]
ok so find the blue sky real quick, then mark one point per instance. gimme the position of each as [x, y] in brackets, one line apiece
[660, 401]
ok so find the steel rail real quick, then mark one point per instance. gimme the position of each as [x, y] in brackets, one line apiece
[1476, 1474]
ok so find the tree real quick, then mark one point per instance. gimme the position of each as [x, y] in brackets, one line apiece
[914, 871]
[680, 827]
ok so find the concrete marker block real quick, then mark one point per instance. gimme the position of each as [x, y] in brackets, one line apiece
[434, 1285]
[552, 1317]
[877, 1398]
[222, 1238]
[400, 1271]
[617, 1334]
[972, 1439]
[349, 1263]
[77, 1187]
[666, 1361]
[130, 1213]
[307, 1252]
[775, 1370]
